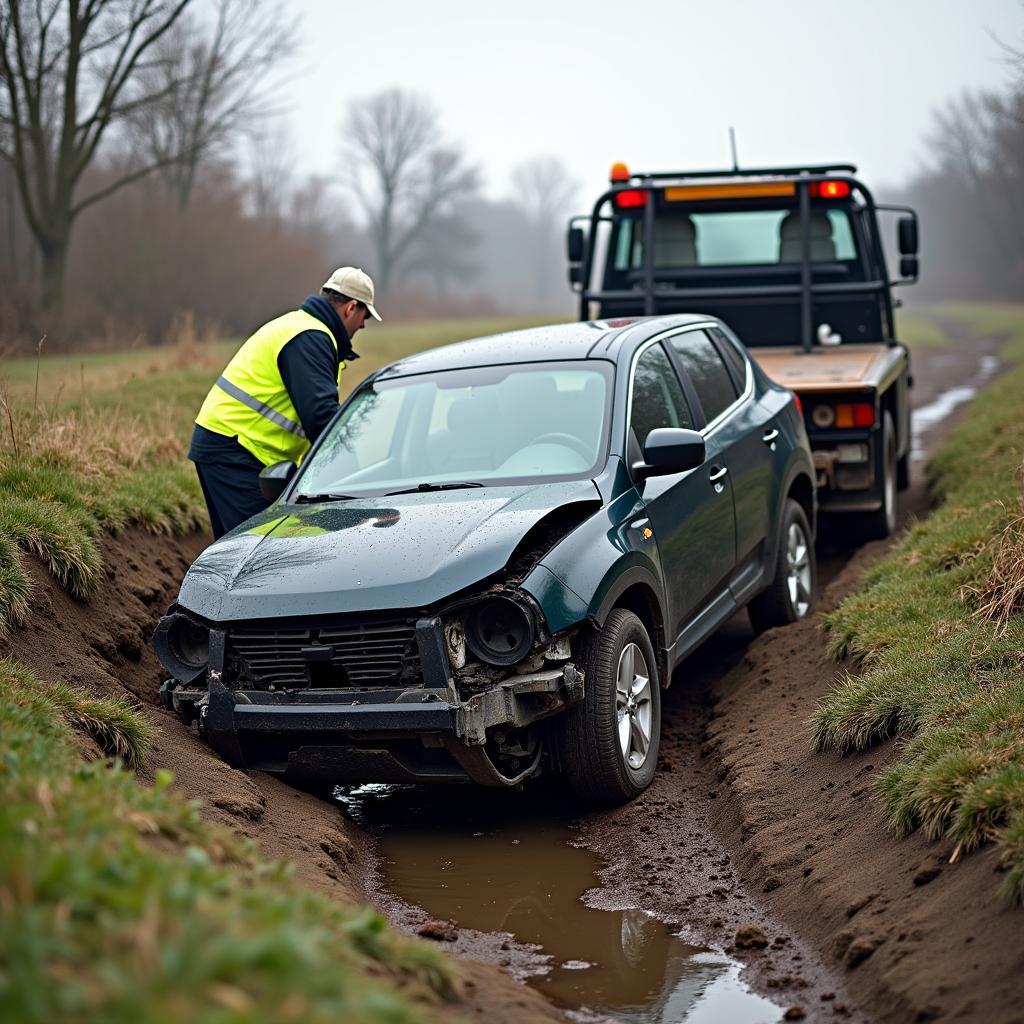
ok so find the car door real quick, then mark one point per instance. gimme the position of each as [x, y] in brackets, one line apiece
[738, 430]
[691, 513]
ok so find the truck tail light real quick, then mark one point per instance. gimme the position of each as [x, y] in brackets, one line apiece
[842, 415]
[799, 405]
[855, 414]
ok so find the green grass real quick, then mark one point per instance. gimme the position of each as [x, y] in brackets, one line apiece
[92, 443]
[919, 332]
[937, 631]
[118, 903]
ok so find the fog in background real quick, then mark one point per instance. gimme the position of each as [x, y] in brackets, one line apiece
[443, 147]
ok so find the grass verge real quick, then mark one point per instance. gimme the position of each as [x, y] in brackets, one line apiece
[937, 630]
[118, 903]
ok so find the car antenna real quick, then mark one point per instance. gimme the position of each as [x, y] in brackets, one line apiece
[732, 144]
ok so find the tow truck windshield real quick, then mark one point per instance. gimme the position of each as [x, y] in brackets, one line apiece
[719, 238]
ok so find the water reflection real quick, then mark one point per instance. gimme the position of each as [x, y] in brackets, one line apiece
[520, 876]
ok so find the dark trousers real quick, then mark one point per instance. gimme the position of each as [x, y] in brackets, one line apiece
[232, 493]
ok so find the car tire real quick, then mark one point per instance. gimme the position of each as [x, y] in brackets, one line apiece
[882, 522]
[792, 593]
[606, 761]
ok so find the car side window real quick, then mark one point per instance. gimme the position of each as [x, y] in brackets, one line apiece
[658, 399]
[710, 377]
[728, 348]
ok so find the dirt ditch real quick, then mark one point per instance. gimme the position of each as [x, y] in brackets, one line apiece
[747, 844]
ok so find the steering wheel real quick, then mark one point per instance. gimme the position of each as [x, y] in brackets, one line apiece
[557, 437]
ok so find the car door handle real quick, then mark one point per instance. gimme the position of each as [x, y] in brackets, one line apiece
[716, 477]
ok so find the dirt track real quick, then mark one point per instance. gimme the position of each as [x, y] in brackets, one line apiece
[743, 824]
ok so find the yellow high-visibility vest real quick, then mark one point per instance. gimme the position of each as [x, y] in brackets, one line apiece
[249, 400]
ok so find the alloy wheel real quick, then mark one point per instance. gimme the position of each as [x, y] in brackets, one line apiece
[798, 563]
[633, 705]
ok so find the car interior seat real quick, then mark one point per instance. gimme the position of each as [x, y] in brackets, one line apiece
[823, 246]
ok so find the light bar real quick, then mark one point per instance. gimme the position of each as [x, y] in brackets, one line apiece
[748, 190]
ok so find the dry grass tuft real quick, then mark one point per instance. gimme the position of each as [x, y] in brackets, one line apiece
[1001, 593]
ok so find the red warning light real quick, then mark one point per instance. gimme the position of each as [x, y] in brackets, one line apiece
[630, 198]
[830, 189]
[619, 172]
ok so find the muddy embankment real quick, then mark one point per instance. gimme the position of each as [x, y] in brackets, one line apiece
[102, 647]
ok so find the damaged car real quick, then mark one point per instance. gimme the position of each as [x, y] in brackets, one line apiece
[490, 564]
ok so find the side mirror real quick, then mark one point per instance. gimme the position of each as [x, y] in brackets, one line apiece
[670, 450]
[274, 479]
[907, 228]
[909, 267]
[574, 245]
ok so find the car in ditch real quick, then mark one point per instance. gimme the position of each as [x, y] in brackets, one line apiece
[491, 562]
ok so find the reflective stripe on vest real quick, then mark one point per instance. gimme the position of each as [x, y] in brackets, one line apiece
[257, 406]
[250, 402]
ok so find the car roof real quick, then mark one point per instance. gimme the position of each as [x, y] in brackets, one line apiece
[596, 339]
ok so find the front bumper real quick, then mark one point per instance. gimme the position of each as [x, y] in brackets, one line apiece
[414, 733]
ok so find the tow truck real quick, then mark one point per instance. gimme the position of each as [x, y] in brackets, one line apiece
[792, 260]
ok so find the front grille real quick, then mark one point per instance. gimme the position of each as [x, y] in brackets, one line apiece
[359, 653]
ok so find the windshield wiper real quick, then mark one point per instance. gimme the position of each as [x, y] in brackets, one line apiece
[423, 488]
[310, 499]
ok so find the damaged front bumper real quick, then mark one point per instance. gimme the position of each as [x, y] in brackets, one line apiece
[424, 732]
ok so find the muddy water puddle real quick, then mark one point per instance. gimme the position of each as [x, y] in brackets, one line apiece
[495, 865]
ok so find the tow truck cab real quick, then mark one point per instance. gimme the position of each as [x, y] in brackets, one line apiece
[791, 258]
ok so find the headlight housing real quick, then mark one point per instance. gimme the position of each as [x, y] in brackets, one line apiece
[499, 631]
[183, 646]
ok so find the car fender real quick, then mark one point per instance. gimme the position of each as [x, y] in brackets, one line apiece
[601, 559]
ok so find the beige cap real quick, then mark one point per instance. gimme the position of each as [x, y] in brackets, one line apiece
[351, 281]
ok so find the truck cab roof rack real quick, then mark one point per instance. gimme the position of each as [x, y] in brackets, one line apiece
[747, 172]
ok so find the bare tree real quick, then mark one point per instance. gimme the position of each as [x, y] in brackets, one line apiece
[215, 77]
[544, 191]
[73, 72]
[404, 178]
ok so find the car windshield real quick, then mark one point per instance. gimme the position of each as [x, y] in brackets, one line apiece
[486, 425]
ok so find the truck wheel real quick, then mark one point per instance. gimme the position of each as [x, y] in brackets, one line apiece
[882, 522]
[609, 741]
[903, 472]
[793, 590]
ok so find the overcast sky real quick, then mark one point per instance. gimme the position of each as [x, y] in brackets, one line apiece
[654, 84]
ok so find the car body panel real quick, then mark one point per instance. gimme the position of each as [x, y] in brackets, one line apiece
[406, 551]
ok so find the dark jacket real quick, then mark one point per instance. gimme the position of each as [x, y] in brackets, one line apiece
[309, 368]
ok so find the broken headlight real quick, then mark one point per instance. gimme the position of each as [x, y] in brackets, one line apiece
[499, 631]
[183, 646]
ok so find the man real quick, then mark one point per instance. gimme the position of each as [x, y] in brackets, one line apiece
[276, 395]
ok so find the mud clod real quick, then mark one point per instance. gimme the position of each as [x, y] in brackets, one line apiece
[439, 931]
[749, 936]
[926, 875]
[860, 949]
[795, 1013]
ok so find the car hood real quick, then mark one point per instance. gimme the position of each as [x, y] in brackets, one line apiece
[406, 551]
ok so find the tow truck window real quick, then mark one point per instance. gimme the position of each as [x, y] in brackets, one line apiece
[735, 238]
[710, 378]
